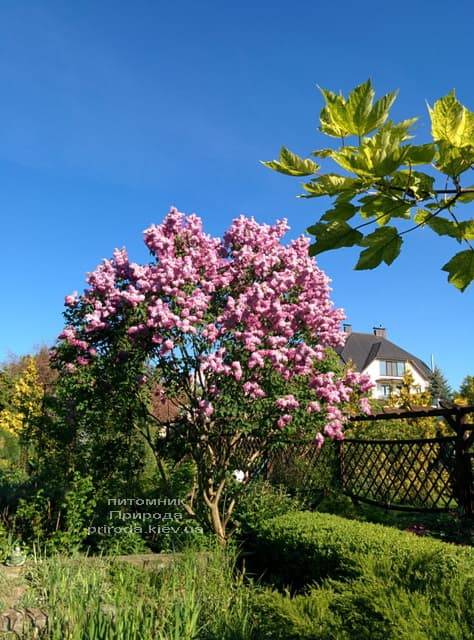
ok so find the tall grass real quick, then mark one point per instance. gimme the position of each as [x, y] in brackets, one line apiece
[199, 596]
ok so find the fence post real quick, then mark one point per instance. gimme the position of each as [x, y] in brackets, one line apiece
[340, 464]
[463, 480]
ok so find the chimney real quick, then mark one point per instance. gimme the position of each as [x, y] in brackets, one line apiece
[381, 332]
[347, 328]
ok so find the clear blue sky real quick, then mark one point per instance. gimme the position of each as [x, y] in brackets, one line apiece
[113, 111]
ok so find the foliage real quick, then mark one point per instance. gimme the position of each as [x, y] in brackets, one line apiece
[439, 386]
[9, 449]
[306, 473]
[234, 331]
[5, 543]
[89, 426]
[388, 181]
[196, 596]
[262, 501]
[466, 390]
[373, 607]
[390, 584]
[77, 510]
[126, 541]
[25, 401]
[307, 546]
[14, 366]
[407, 396]
[446, 526]
[57, 524]
[278, 616]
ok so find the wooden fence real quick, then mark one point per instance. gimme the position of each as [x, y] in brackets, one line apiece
[428, 474]
[425, 474]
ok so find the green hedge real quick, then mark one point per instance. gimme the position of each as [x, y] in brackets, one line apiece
[302, 547]
[364, 609]
[373, 582]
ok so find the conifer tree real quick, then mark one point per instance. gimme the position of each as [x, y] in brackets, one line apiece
[439, 386]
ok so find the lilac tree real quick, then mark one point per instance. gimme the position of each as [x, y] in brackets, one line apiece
[237, 330]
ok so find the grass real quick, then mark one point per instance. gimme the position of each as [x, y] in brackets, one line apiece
[198, 596]
[201, 596]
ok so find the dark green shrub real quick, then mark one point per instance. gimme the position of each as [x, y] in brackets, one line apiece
[307, 546]
[261, 501]
[374, 608]
[124, 542]
[369, 608]
[275, 616]
[56, 524]
[306, 472]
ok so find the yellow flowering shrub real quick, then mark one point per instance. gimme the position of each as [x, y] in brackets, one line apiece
[25, 401]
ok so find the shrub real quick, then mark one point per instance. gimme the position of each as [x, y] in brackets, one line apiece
[312, 546]
[124, 542]
[369, 608]
[307, 474]
[59, 525]
[261, 501]
[277, 616]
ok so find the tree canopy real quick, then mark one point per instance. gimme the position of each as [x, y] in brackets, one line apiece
[439, 386]
[386, 185]
[237, 330]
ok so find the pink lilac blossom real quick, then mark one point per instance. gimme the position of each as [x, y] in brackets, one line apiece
[248, 300]
[206, 408]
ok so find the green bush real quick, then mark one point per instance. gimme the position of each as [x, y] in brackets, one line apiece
[276, 616]
[309, 546]
[369, 608]
[261, 501]
[305, 473]
[126, 541]
[59, 526]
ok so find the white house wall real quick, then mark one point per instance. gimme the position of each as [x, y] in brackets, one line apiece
[373, 370]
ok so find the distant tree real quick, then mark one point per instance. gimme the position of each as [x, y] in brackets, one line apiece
[466, 390]
[378, 180]
[439, 386]
[47, 375]
[23, 404]
[408, 397]
[5, 385]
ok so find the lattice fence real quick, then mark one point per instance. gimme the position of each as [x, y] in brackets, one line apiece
[403, 474]
[432, 474]
[303, 467]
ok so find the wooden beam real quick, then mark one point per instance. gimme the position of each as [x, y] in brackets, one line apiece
[416, 412]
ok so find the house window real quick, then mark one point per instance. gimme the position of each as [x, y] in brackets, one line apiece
[383, 390]
[392, 368]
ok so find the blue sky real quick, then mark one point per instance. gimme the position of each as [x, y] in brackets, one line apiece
[112, 112]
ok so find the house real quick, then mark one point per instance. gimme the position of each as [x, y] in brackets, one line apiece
[385, 362]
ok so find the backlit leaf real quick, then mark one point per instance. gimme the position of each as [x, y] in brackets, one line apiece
[333, 117]
[452, 122]
[333, 236]
[460, 269]
[469, 196]
[420, 154]
[440, 225]
[453, 160]
[341, 211]
[384, 245]
[291, 164]
[358, 115]
[330, 184]
[383, 208]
